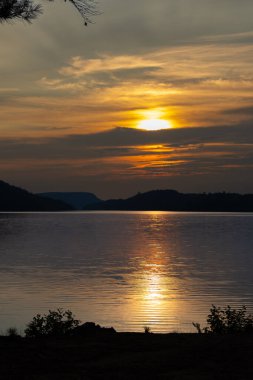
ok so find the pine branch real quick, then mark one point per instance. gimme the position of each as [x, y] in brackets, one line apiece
[27, 10]
[86, 8]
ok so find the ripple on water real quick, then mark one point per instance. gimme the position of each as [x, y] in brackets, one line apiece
[125, 270]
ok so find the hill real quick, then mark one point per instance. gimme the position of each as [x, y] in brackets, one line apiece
[13, 198]
[171, 200]
[77, 200]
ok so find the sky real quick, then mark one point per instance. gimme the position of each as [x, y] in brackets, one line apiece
[77, 103]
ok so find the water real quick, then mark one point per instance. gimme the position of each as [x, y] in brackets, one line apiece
[125, 269]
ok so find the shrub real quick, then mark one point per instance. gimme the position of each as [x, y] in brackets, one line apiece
[91, 329]
[12, 332]
[55, 323]
[147, 329]
[227, 320]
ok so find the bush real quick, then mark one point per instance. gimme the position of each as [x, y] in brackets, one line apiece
[12, 332]
[147, 329]
[55, 323]
[227, 320]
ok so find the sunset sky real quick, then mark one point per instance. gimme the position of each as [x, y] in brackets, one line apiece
[74, 100]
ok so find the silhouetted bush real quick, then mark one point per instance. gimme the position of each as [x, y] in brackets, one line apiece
[91, 329]
[55, 323]
[147, 329]
[227, 320]
[12, 332]
[198, 327]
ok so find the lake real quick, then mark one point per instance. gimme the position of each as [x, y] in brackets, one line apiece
[125, 269]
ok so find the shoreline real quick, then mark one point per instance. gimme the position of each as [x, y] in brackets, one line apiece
[124, 356]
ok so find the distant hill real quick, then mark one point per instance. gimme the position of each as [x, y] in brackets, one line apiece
[171, 200]
[13, 198]
[78, 200]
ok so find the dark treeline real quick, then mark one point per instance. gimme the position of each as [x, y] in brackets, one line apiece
[171, 200]
[15, 199]
[77, 200]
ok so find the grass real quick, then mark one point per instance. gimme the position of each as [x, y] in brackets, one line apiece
[128, 356]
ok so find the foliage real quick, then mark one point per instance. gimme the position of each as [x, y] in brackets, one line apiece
[197, 327]
[12, 332]
[19, 9]
[55, 323]
[227, 320]
[27, 10]
[147, 329]
[86, 8]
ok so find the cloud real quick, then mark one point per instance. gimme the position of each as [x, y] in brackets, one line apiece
[110, 90]
[79, 67]
[183, 156]
[242, 111]
[59, 84]
[8, 90]
[128, 143]
[63, 87]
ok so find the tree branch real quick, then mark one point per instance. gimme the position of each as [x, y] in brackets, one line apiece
[27, 10]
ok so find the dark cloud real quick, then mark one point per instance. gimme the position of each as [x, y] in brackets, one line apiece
[123, 161]
[121, 141]
[243, 111]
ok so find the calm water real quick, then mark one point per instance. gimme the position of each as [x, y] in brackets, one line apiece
[125, 269]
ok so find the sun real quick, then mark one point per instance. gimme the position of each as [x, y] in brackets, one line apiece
[153, 120]
[154, 124]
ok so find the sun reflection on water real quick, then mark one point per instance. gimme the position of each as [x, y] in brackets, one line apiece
[129, 270]
[156, 302]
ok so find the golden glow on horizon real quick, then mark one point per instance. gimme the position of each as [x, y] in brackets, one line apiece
[154, 124]
[153, 120]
